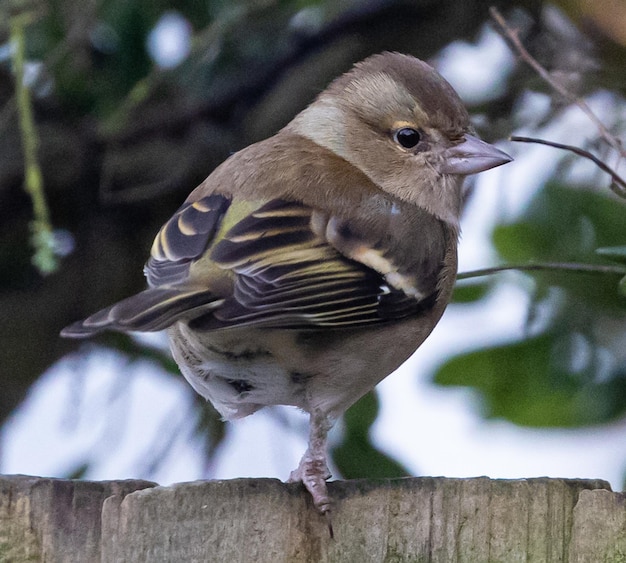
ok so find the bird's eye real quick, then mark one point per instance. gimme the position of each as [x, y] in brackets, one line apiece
[407, 137]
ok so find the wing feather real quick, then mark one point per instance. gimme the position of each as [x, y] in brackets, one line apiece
[183, 239]
[287, 275]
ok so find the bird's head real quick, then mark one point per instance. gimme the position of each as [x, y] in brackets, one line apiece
[402, 124]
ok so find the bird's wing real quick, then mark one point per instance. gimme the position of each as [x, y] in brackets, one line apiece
[253, 260]
[288, 274]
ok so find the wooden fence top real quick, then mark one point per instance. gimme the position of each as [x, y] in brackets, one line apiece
[264, 520]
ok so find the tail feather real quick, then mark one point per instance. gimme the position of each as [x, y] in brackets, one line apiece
[151, 310]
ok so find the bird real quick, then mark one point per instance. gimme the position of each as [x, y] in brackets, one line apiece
[309, 266]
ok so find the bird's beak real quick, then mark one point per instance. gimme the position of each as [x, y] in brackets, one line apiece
[472, 156]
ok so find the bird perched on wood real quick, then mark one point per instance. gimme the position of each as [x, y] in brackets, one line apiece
[309, 266]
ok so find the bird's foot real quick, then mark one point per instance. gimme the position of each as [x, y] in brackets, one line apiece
[313, 473]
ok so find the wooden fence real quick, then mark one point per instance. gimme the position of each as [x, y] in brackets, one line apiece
[264, 520]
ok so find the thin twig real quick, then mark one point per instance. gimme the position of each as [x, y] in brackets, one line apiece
[547, 266]
[513, 37]
[618, 185]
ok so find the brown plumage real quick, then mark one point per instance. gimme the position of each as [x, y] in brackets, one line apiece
[309, 266]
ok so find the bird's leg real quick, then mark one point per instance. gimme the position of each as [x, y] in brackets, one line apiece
[313, 470]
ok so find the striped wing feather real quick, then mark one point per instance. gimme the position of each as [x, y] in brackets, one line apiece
[288, 276]
[282, 274]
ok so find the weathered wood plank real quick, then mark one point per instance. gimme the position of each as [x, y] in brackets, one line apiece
[422, 519]
[54, 520]
[264, 520]
[599, 528]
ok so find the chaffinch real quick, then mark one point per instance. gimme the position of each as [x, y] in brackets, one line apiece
[309, 266]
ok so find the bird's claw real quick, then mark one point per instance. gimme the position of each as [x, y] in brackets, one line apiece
[313, 474]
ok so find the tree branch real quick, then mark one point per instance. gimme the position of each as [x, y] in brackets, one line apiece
[575, 267]
[512, 37]
[618, 185]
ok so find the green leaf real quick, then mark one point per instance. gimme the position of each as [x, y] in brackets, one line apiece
[210, 426]
[78, 472]
[356, 457]
[553, 380]
[615, 253]
[563, 224]
[568, 225]
[134, 351]
[470, 292]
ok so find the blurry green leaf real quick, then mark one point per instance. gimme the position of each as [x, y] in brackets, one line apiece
[209, 426]
[568, 225]
[133, 350]
[359, 418]
[573, 374]
[622, 286]
[565, 224]
[470, 292]
[615, 253]
[554, 380]
[356, 457]
[78, 472]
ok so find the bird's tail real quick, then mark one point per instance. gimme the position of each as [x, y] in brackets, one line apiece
[151, 310]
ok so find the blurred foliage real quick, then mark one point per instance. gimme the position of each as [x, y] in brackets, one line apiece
[355, 456]
[42, 238]
[209, 428]
[468, 292]
[571, 370]
[552, 380]
[122, 141]
[616, 254]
